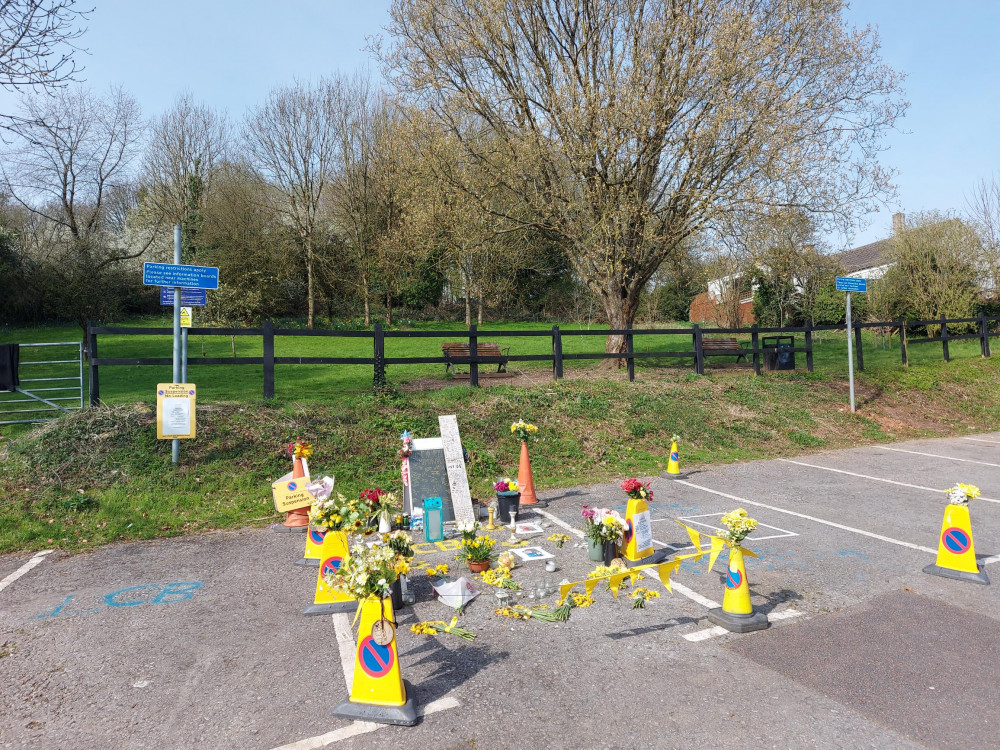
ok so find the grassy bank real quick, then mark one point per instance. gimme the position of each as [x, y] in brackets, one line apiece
[101, 476]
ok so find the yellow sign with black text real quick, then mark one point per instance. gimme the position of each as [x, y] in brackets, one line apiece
[290, 494]
[186, 317]
[175, 411]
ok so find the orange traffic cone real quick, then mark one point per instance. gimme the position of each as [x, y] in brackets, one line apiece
[298, 518]
[525, 482]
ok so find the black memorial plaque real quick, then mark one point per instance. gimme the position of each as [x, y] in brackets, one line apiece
[429, 478]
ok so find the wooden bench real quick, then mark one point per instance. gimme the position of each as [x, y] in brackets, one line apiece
[724, 346]
[457, 352]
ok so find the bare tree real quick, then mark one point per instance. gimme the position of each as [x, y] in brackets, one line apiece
[983, 207]
[37, 42]
[186, 147]
[292, 141]
[628, 125]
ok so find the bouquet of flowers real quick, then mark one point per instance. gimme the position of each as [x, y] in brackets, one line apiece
[400, 543]
[477, 549]
[468, 529]
[637, 490]
[522, 430]
[961, 494]
[505, 485]
[501, 578]
[738, 526]
[642, 595]
[603, 525]
[300, 449]
[337, 513]
[439, 570]
[433, 627]
[379, 501]
[368, 573]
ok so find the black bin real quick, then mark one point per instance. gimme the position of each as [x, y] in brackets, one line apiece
[778, 354]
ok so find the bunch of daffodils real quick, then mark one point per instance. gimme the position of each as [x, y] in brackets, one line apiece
[433, 627]
[961, 494]
[337, 513]
[522, 430]
[368, 573]
[739, 525]
[501, 578]
[468, 528]
[642, 595]
[478, 549]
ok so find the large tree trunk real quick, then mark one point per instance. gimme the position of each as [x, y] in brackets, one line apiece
[620, 306]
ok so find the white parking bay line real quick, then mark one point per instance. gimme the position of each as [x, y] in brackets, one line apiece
[363, 727]
[345, 642]
[980, 440]
[776, 509]
[876, 479]
[558, 521]
[938, 455]
[34, 562]
[714, 632]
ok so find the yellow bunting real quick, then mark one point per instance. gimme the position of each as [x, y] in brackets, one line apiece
[717, 544]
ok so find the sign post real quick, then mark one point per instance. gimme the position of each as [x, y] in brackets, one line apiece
[184, 280]
[850, 284]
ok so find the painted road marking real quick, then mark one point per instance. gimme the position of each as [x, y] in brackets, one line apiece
[34, 562]
[980, 440]
[937, 455]
[363, 727]
[678, 587]
[345, 642]
[877, 479]
[753, 535]
[872, 534]
[714, 632]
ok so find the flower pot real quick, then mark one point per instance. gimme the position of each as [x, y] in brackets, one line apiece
[610, 552]
[508, 502]
[478, 567]
[594, 550]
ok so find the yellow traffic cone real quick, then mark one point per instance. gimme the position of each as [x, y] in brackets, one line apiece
[378, 692]
[674, 464]
[737, 614]
[956, 556]
[327, 601]
[638, 534]
[315, 539]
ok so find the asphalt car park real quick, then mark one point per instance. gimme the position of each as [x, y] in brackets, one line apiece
[200, 641]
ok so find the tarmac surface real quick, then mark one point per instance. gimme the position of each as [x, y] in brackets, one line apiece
[199, 642]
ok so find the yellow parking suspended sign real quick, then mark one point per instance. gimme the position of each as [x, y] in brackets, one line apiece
[175, 411]
[185, 317]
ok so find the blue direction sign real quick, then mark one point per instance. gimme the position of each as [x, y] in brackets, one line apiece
[189, 297]
[851, 284]
[168, 274]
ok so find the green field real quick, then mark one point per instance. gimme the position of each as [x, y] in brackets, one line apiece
[126, 384]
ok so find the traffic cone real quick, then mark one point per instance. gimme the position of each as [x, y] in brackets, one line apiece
[298, 518]
[736, 613]
[377, 692]
[956, 556]
[326, 601]
[638, 537]
[674, 464]
[314, 548]
[525, 482]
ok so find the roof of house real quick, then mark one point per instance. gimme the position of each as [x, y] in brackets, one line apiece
[872, 255]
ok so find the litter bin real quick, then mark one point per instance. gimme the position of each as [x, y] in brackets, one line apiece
[778, 354]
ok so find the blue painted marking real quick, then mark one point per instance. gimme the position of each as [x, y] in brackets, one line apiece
[170, 593]
[177, 592]
[110, 598]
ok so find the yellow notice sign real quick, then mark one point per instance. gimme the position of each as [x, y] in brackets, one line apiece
[175, 412]
[290, 494]
[185, 317]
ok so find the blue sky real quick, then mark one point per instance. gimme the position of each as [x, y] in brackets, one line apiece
[229, 54]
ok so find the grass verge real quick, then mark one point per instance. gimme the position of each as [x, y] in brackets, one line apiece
[100, 475]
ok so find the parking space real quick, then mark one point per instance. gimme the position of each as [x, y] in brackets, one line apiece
[200, 641]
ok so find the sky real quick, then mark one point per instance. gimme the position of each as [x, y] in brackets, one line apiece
[229, 54]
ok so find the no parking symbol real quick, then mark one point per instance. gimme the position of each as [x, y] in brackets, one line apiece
[331, 565]
[956, 540]
[733, 579]
[376, 660]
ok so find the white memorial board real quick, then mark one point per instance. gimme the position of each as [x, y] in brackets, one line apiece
[458, 480]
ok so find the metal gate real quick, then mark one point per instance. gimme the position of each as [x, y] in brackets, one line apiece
[50, 383]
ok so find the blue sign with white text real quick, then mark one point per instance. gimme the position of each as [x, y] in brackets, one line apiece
[851, 284]
[189, 297]
[168, 274]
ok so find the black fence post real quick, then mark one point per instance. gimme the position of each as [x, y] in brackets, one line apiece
[859, 352]
[755, 345]
[95, 380]
[268, 333]
[378, 342]
[944, 339]
[629, 353]
[902, 342]
[986, 337]
[699, 351]
[809, 346]
[982, 333]
[473, 357]
[557, 360]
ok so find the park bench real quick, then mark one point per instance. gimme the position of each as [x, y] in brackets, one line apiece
[723, 346]
[457, 352]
